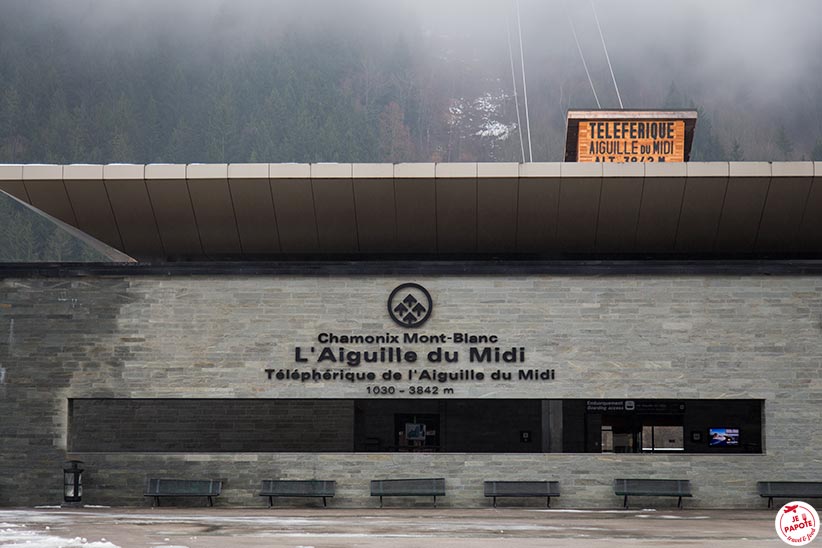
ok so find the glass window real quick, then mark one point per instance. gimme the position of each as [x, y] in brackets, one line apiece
[416, 425]
[27, 235]
[663, 438]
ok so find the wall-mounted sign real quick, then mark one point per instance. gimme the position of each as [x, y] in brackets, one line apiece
[410, 305]
[657, 407]
[410, 361]
[629, 136]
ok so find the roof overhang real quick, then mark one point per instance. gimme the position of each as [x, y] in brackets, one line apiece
[252, 211]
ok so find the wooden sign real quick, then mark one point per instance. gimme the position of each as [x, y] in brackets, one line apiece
[631, 141]
[629, 136]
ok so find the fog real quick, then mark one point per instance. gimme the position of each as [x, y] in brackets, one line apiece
[762, 47]
[743, 63]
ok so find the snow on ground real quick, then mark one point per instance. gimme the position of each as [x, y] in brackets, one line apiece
[19, 536]
[575, 511]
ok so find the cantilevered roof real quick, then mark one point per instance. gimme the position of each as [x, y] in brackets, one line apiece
[208, 211]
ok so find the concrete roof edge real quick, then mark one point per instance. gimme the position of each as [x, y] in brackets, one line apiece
[414, 170]
[124, 171]
[749, 169]
[289, 171]
[330, 171]
[708, 169]
[42, 172]
[792, 169]
[505, 170]
[248, 171]
[666, 169]
[580, 169]
[165, 171]
[540, 169]
[82, 172]
[455, 170]
[372, 171]
[11, 172]
[632, 169]
[207, 171]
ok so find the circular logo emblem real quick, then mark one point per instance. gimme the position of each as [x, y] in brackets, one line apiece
[409, 305]
[797, 523]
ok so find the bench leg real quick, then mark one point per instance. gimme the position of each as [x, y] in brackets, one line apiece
[495, 502]
[380, 501]
[324, 504]
[270, 501]
[770, 502]
[679, 503]
[210, 501]
[435, 501]
[625, 502]
[156, 502]
[548, 504]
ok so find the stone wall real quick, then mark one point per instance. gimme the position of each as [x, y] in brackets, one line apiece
[609, 336]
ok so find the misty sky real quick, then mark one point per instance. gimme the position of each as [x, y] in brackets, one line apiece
[736, 59]
[763, 47]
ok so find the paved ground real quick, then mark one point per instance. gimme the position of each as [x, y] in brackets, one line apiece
[399, 528]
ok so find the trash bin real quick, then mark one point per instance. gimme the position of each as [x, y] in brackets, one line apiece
[73, 481]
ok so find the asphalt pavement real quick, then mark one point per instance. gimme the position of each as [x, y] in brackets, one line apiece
[167, 527]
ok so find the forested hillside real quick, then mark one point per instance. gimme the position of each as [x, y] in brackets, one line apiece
[93, 81]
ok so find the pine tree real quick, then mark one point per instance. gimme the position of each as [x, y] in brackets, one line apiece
[736, 152]
[396, 144]
[783, 143]
[121, 151]
[674, 98]
[706, 146]
[9, 125]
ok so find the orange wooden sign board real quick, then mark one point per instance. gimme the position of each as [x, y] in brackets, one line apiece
[631, 141]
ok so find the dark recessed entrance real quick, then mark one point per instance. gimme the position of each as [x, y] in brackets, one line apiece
[416, 425]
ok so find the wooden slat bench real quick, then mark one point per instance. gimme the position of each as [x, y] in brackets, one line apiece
[183, 488]
[652, 488]
[297, 488]
[789, 490]
[545, 489]
[426, 487]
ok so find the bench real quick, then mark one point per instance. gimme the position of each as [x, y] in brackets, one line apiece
[183, 488]
[652, 488]
[545, 489]
[297, 488]
[428, 487]
[793, 490]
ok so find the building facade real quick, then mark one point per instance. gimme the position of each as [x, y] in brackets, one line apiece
[511, 367]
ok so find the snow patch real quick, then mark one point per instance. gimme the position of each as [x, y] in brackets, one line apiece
[480, 116]
[570, 511]
[15, 538]
[494, 129]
